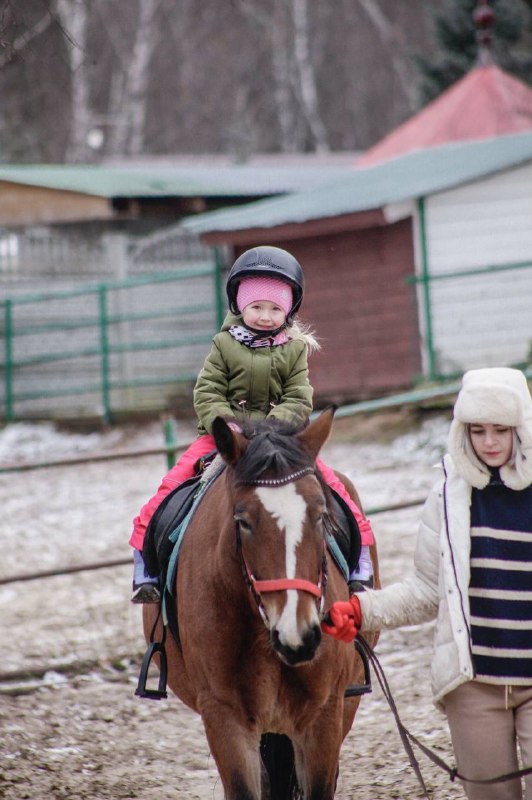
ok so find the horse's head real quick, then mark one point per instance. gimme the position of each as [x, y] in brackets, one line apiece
[279, 503]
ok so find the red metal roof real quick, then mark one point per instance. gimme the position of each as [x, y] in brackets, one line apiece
[486, 102]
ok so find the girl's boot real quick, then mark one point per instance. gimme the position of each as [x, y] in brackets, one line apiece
[145, 587]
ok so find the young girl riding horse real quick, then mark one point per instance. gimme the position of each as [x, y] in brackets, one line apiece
[257, 368]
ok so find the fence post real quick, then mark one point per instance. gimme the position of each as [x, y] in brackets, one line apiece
[170, 439]
[104, 351]
[8, 334]
[425, 275]
[218, 288]
[119, 306]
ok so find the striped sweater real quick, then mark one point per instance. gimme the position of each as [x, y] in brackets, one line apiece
[500, 589]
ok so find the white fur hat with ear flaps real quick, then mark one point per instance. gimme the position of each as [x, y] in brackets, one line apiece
[498, 396]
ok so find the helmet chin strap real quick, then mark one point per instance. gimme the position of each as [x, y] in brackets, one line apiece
[265, 334]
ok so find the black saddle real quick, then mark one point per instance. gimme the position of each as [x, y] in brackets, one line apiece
[168, 515]
[344, 527]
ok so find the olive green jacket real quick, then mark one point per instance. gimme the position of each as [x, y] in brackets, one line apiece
[240, 382]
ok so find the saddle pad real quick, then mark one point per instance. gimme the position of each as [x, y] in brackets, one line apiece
[169, 568]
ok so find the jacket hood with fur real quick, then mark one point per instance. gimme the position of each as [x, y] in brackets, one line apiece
[498, 396]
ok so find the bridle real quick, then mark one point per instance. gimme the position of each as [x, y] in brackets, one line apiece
[260, 587]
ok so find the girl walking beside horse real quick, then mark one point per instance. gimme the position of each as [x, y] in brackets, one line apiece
[473, 571]
[257, 368]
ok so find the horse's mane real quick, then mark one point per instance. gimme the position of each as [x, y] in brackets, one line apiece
[273, 451]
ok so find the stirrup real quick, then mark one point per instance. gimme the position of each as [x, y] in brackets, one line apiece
[154, 647]
[356, 689]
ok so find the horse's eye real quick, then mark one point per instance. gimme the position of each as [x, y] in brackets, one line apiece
[243, 524]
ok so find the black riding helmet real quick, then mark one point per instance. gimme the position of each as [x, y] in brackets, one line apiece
[272, 262]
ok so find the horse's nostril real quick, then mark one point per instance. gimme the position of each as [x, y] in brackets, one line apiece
[316, 631]
[305, 651]
[312, 639]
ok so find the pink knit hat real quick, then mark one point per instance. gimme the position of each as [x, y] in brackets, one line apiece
[263, 288]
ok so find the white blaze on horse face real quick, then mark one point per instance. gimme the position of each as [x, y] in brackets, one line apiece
[288, 508]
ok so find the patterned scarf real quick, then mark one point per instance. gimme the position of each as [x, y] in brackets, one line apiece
[245, 336]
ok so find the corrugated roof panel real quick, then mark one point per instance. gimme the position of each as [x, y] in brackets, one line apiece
[415, 175]
[173, 181]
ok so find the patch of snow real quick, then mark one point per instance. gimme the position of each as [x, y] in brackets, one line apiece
[23, 442]
[26, 443]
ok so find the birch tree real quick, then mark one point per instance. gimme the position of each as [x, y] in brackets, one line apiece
[307, 77]
[390, 36]
[129, 94]
[73, 15]
[188, 76]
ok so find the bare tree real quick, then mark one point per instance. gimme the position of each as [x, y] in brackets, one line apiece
[129, 95]
[26, 37]
[283, 81]
[390, 37]
[226, 76]
[286, 25]
[307, 78]
[73, 15]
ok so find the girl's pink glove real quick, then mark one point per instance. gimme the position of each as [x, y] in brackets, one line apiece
[346, 619]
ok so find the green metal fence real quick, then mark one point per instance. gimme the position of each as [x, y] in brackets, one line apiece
[102, 343]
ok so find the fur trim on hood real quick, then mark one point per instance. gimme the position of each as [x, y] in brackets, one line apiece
[499, 396]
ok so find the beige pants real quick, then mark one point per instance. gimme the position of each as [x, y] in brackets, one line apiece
[486, 722]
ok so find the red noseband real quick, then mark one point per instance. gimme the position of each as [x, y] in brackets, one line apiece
[258, 587]
[281, 584]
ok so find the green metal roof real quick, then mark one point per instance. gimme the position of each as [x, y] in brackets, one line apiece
[415, 175]
[173, 181]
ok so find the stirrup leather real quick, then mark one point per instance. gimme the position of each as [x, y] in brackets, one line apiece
[356, 689]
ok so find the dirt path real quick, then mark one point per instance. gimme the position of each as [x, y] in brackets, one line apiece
[85, 734]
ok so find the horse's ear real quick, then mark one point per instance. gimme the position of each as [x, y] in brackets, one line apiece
[229, 443]
[316, 434]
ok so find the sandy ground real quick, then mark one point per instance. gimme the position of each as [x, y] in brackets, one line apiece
[70, 724]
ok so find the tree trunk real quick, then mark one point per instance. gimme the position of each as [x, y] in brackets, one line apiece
[73, 16]
[129, 89]
[389, 38]
[283, 79]
[307, 78]
[138, 78]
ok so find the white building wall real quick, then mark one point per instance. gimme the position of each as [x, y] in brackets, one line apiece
[485, 318]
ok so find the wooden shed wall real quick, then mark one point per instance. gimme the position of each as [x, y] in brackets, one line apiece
[362, 309]
[482, 318]
[22, 205]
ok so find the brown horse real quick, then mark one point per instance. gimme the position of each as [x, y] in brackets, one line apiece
[253, 575]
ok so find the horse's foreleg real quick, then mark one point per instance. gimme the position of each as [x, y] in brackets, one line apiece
[317, 756]
[235, 749]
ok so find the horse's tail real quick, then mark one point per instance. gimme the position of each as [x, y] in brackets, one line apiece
[278, 758]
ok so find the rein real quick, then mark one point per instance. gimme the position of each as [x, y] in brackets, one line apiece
[408, 739]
